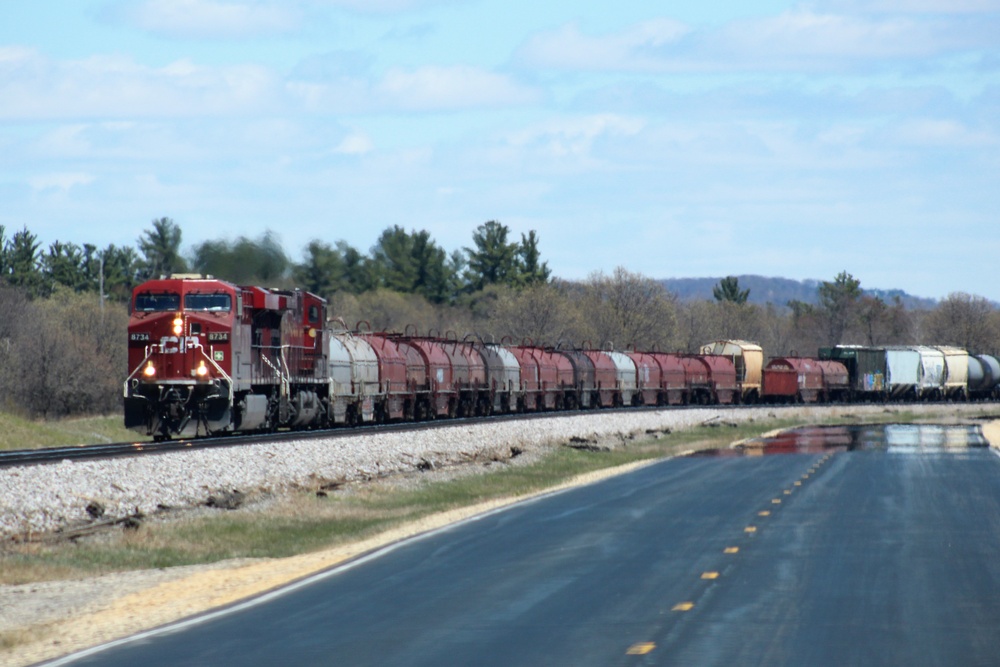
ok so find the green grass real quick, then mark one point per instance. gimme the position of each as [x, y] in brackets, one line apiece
[20, 433]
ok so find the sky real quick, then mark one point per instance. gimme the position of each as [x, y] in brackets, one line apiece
[675, 139]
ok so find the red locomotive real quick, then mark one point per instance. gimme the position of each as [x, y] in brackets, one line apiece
[207, 356]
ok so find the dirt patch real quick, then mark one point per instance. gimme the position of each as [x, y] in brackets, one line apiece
[991, 431]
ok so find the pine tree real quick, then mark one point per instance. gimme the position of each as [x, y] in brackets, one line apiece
[729, 290]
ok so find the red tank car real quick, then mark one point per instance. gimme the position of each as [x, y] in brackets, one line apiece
[584, 384]
[697, 380]
[722, 377]
[435, 395]
[207, 356]
[469, 372]
[672, 378]
[648, 378]
[539, 377]
[395, 397]
[836, 381]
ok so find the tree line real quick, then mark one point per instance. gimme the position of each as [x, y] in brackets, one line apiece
[409, 262]
[62, 348]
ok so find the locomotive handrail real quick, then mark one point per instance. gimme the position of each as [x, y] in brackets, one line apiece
[224, 374]
[285, 384]
[149, 353]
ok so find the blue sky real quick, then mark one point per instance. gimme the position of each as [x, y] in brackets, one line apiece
[793, 139]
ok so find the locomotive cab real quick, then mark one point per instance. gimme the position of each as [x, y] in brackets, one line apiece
[181, 338]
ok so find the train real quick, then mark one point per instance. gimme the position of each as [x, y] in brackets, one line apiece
[208, 357]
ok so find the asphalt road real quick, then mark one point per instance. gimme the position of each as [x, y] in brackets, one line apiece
[847, 558]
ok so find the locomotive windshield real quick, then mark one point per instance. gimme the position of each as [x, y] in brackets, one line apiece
[154, 303]
[217, 302]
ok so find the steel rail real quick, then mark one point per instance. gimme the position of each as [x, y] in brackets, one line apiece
[50, 455]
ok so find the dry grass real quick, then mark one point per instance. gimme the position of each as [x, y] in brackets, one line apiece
[20, 433]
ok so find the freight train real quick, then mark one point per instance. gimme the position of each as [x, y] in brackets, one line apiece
[208, 357]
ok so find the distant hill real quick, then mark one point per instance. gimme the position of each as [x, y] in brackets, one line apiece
[779, 291]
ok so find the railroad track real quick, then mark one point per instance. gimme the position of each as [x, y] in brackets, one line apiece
[25, 457]
[50, 455]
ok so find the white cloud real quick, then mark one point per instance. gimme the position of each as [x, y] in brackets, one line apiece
[356, 143]
[833, 37]
[455, 87]
[211, 18]
[35, 87]
[797, 40]
[938, 133]
[59, 181]
[383, 6]
[567, 141]
[430, 88]
[636, 48]
[913, 6]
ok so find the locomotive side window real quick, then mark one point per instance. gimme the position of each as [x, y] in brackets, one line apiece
[154, 303]
[217, 302]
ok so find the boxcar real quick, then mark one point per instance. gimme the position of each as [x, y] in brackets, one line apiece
[793, 379]
[865, 367]
[902, 372]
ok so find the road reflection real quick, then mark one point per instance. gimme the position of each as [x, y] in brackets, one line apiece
[894, 438]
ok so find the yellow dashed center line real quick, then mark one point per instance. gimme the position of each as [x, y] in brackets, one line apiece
[764, 513]
[641, 648]
[709, 575]
[731, 550]
[684, 606]
[750, 529]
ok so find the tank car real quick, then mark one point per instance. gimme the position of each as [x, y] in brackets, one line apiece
[748, 360]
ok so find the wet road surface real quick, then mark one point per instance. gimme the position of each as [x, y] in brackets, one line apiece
[865, 550]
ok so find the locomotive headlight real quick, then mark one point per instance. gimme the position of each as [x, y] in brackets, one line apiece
[202, 370]
[150, 370]
[178, 326]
